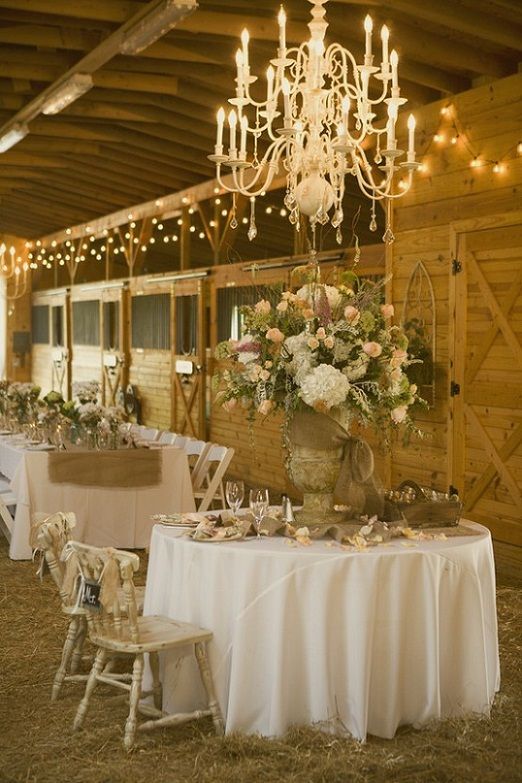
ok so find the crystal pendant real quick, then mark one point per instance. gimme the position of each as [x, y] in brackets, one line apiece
[233, 223]
[322, 217]
[289, 200]
[337, 218]
[373, 224]
[388, 236]
[378, 158]
[293, 217]
[339, 236]
[252, 231]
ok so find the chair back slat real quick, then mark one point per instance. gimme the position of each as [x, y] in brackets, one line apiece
[49, 535]
[210, 480]
[112, 570]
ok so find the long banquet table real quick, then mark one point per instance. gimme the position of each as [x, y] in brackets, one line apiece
[109, 516]
[353, 641]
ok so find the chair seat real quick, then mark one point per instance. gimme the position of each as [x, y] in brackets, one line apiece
[156, 633]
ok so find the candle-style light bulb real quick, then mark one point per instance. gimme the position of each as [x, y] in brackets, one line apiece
[281, 20]
[411, 133]
[385, 37]
[232, 121]
[220, 123]
[270, 76]
[245, 38]
[240, 62]
[345, 108]
[368, 27]
[394, 60]
[285, 86]
[244, 128]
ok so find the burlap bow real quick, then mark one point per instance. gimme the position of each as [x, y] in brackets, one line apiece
[356, 485]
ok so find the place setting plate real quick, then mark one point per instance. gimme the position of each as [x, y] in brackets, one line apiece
[186, 521]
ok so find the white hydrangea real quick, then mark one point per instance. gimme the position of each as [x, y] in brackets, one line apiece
[324, 385]
[357, 368]
[301, 362]
[309, 293]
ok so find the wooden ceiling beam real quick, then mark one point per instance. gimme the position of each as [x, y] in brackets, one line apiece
[95, 59]
[75, 197]
[105, 159]
[69, 38]
[158, 207]
[144, 164]
[176, 112]
[456, 17]
[117, 11]
[79, 179]
[160, 131]
[15, 157]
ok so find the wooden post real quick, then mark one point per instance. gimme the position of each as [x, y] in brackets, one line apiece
[173, 339]
[457, 343]
[185, 239]
[202, 359]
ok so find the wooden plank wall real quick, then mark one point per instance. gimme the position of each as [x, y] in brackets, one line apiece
[489, 121]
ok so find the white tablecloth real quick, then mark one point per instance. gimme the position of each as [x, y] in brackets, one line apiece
[11, 453]
[361, 642]
[118, 517]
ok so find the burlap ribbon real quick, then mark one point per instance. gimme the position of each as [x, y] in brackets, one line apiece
[125, 468]
[356, 486]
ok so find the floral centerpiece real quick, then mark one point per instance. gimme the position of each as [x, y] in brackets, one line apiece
[22, 401]
[86, 391]
[326, 350]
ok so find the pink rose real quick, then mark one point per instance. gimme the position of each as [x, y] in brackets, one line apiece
[372, 349]
[413, 388]
[396, 374]
[352, 314]
[308, 313]
[320, 334]
[399, 414]
[265, 407]
[329, 342]
[387, 310]
[312, 343]
[229, 405]
[264, 375]
[282, 306]
[275, 335]
[398, 357]
[263, 307]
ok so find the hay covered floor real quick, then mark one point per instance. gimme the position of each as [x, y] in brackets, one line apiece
[38, 746]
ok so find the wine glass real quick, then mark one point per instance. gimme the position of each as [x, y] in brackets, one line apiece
[234, 492]
[258, 502]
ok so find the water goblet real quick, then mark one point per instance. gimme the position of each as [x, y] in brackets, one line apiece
[258, 502]
[234, 493]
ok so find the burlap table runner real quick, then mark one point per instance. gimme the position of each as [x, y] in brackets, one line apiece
[125, 468]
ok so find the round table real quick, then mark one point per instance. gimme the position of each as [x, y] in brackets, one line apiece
[351, 641]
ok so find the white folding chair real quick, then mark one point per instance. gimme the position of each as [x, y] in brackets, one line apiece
[180, 441]
[167, 438]
[7, 502]
[196, 451]
[146, 433]
[209, 480]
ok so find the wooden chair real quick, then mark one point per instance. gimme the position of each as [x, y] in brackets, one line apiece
[113, 632]
[208, 484]
[49, 536]
[7, 502]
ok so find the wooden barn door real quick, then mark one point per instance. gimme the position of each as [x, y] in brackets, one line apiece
[189, 348]
[485, 416]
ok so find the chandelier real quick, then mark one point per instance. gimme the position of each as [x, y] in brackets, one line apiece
[15, 268]
[320, 123]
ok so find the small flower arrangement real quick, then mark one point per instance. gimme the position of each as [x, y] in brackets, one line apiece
[323, 347]
[22, 400]
[86, 391]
